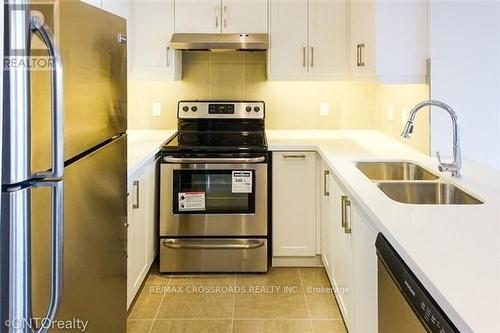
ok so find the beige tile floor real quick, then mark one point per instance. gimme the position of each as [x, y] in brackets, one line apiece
[286, 300]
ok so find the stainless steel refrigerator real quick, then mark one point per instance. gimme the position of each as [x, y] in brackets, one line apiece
[63, 204]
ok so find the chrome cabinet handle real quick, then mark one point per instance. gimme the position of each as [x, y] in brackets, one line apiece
[312, 56]
[357, 55]
[225, 16]
[304, 56]
[136, 185]
[217, 16]
[178, 160]
[294, 156]
[57, 104]
[167, 56]
[325, 183]
[343, 211]
[178, 244]
[346, 223]
[56, 252]
[361, 56]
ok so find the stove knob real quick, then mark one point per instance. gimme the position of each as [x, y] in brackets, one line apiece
[194, 108]
[185, 108]
[248, 108]
[256, 109]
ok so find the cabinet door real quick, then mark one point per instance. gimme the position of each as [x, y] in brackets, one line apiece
[288, 33]
[138, 216]
[151, 225]
[326, 222]
[244, 16]
[362, 27]
[198, 16]
[328, 37]
[294, 214]
[342, 261]
[364, 258]
[152, 28]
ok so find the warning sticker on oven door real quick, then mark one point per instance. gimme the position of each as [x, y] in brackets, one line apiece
[191, 201]
[242, 182]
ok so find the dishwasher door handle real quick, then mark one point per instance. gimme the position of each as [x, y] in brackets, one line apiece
[193, 160]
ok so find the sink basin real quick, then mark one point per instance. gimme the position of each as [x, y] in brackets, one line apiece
[428, 193]
[380, 171]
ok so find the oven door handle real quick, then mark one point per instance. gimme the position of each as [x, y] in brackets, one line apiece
[177, 244]
[191, 160]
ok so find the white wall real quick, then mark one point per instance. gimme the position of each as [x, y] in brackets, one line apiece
[465, 73]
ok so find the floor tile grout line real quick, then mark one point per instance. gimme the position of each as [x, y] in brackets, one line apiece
[234, 303]
[305, 300]
[159, 306]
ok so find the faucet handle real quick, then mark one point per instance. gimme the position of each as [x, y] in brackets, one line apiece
[442, 166]
[439, 158]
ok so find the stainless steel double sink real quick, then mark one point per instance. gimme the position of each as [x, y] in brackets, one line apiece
[411, 184]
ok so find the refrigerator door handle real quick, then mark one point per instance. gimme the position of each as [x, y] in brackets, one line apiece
[56, 252]
[57, 104]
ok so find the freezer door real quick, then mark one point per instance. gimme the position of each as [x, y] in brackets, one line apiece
[94, 61]
[95, 208]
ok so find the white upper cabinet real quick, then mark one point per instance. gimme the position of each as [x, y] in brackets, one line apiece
[216, 16]
[151, 29]
[198, 16]
[328, 38]
[294, 208]
[247, 16]
[388, 41]
[308, 40]
[288, 38]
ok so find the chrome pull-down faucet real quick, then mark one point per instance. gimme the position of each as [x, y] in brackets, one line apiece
[456, 166]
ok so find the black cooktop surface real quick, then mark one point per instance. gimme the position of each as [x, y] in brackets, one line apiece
[195, 141]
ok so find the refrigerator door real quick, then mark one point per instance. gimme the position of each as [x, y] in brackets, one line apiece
[95, 212]
[94, 59]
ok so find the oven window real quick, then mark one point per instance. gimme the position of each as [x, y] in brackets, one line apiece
[214, 192]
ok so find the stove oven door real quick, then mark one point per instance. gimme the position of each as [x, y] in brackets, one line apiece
[200, 197]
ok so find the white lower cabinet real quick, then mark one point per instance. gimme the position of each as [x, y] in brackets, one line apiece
[349, 256]
[294, 204]
[326, 229]
[141, 234]
[364, 273]
[342, 251]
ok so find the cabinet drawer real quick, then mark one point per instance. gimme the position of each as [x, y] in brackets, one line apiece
[213, 255]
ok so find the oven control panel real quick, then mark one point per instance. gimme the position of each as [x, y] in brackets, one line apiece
[220, 110]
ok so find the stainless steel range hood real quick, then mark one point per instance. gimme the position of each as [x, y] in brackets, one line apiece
[215, 42]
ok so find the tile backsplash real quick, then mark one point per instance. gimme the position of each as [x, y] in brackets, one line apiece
[289, 104]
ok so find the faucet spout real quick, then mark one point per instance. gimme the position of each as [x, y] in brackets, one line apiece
[456, 166]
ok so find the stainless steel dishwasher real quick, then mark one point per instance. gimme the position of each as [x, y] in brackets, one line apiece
[403, 303]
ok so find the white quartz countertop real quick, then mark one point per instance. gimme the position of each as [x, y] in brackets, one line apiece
[142, 146]
[453, 250]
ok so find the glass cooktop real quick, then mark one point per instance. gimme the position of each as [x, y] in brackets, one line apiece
[217, 141]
